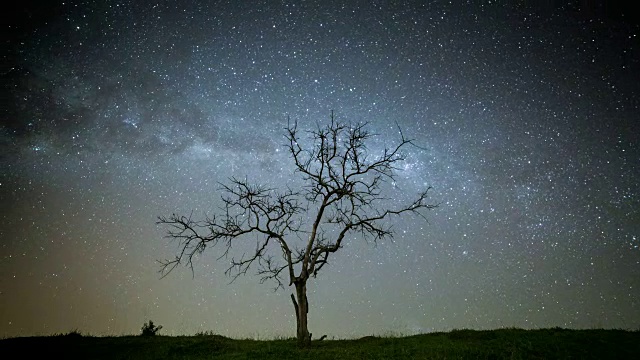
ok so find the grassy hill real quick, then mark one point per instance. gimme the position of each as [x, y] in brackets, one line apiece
[458, 344]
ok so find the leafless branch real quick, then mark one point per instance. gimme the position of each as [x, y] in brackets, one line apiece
[343, 192]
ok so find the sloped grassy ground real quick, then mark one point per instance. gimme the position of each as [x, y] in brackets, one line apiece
[458, 344]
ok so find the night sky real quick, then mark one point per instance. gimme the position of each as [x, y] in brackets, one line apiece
[526, 117]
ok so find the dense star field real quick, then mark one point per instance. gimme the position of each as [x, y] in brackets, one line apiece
[526, 117]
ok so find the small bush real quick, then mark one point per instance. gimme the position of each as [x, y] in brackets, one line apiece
[74, 333]
[71, 334]
[150, 329]
[206, 333]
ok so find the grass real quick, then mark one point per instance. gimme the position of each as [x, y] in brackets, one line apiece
[553, 343]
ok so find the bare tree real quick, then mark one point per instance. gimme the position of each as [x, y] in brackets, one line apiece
[341, 195]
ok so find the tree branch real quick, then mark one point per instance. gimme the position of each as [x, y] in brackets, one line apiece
[342, 194]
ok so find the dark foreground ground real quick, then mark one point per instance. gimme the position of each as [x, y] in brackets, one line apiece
[458, 344]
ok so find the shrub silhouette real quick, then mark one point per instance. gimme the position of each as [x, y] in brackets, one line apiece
[150, 329]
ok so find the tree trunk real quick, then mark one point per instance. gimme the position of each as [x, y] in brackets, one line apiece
[302, 309]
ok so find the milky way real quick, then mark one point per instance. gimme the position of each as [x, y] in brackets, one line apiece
[526, 117]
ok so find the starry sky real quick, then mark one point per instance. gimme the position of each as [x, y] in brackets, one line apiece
[526, 117]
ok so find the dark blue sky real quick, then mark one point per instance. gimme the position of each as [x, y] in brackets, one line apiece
[116, 112]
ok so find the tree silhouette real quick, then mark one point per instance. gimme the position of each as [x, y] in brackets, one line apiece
[299, 230]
